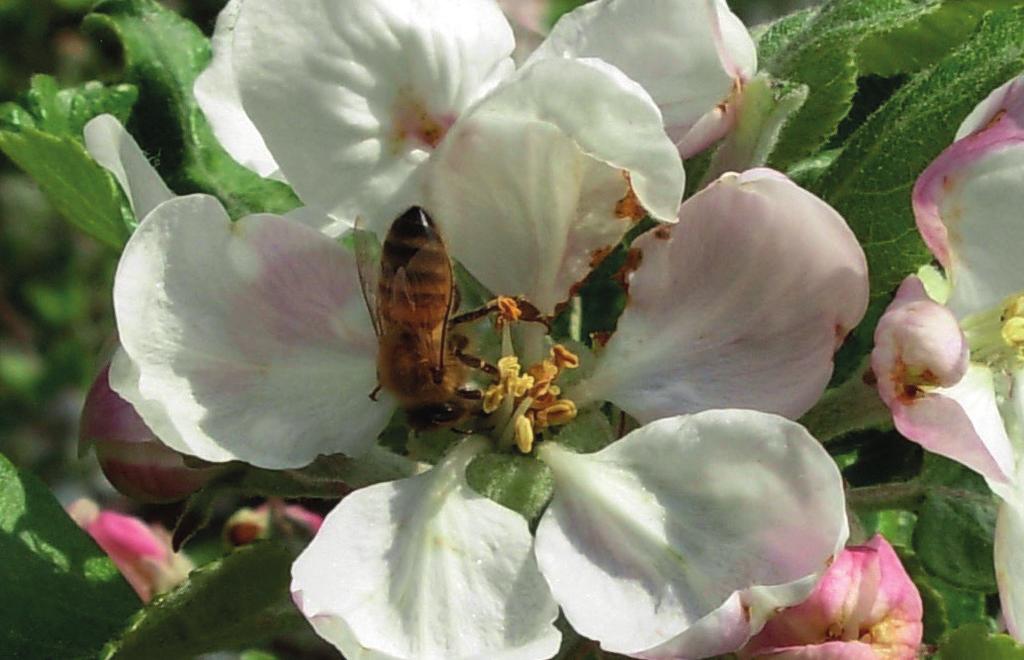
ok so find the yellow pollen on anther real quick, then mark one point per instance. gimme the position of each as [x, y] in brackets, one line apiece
[524, 434]
[508, 311]
[1013, 332]
[561, 412]
[510, 384]
[493, 396]
[564, 358]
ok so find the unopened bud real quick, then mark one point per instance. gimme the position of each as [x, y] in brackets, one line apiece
[133, 459]
[141, 552]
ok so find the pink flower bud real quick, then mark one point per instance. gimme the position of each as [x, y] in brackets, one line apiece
[142, 553]
[865, 606]
[133, 459]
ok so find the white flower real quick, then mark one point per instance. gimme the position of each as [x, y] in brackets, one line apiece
[348, 100]
[948, 356]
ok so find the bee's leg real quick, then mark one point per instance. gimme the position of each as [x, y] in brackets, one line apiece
[458, 344]
[474, 314]
[375, 392]
[470, 394]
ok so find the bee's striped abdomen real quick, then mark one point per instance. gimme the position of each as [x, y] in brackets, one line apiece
[422, 296]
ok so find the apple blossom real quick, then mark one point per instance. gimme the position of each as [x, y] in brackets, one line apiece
[382, 84]
[249, 524]
[948, 358]
[141, 552]
[250, 341]
[865, 606]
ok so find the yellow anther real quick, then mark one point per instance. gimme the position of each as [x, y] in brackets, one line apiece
[564, 358]
[1013, 331]
[1013, 307]
[508, 311]
[493, 396]
[524, 434]
[508, 367]
[562, 411]
[543, 372]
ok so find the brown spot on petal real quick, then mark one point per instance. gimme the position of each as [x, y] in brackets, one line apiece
[599, 255]
[629, 207]
[663, 233]
[600, 338]
[996, 118]
[633, 259]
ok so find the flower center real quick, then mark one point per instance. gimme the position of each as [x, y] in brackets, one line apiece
[526, 402]
[996, 336]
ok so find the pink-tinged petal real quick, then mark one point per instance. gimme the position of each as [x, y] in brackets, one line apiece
[352, 97]
[142, 553]
[133, 459]
[688, 54]
[216, 91]
[865, 596]
[742, 304]
[967, 204]
[1005, 103]
[426, 568]
[116, 150]
[826, 651]
[936, 397]
[1009, 568]
[675, 518]
[303, 516]
[245, 341]
[918, 343]
[537, 183]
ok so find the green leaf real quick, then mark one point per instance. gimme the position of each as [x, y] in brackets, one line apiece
[977, 642]
[936, 614]
[819, 49]
[44, 139]
[164, 53]
[81, 191]
[954, 536]
[521, 483]
[227, 604]
[65, 112]
[938, 27]
[62, 597]
[871, 181]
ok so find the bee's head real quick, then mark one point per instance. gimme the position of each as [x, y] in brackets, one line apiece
[433, 416]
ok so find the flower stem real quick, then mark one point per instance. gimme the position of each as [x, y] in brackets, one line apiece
[852, 406]
[907, 495]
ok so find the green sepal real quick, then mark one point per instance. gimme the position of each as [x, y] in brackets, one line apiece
[521, 483]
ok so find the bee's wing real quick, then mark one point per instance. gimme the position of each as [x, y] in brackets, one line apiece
[404, 286]
[367, 250]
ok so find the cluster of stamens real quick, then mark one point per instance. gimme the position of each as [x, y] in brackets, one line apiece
[997, 337]
[532, 397]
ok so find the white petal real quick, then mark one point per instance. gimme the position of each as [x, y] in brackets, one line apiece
[741, 304]
[1009, 568]
[530, 186]
[251, 337]
[688, 54]
[117, 151]
[351, 97]
[652, 534]
[216, 91]
[427, 568]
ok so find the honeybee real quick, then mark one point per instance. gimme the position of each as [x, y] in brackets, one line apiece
[411, 296]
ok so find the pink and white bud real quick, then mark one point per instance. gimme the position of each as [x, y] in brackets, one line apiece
[865, 606]
[918, 345]
[141, 552]
[133, 459]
